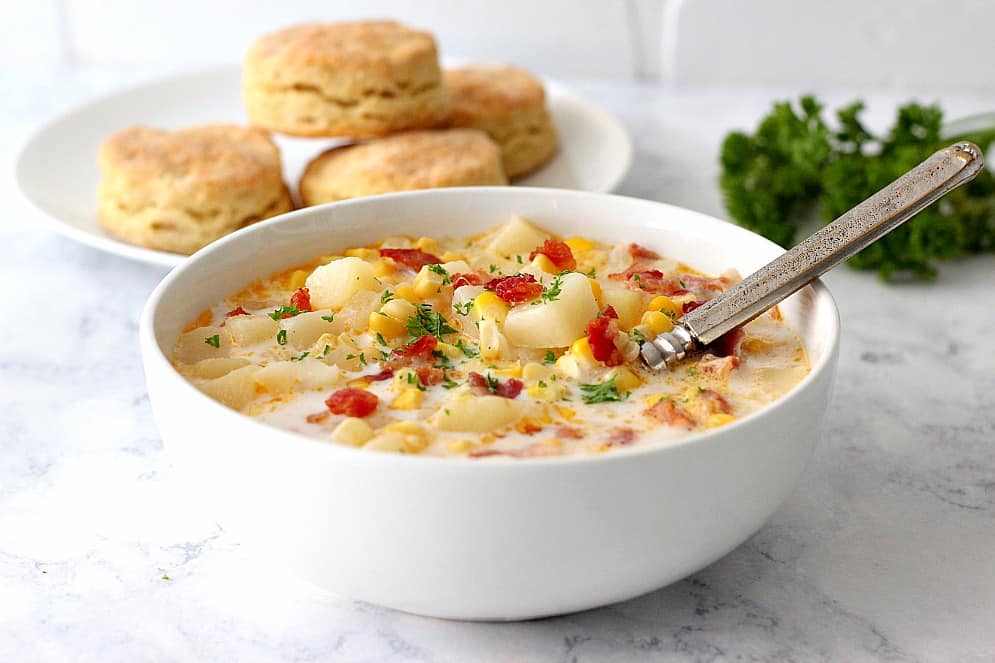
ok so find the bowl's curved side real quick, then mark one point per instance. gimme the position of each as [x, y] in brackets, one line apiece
[481, 540]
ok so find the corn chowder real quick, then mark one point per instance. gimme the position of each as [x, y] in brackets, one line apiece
[511, 343]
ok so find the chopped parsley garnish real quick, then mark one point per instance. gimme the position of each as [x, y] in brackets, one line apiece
[361, 357]
[466, 349]
[593, 273]
[493, 268]
[325, 351]
[542, 384]
[464, 308]
[441, 271]
[413, 379]
[601, 392]
[301, 357]
[492, 383]
[213, 341]
[380, 339]
[449, 383]
[683, 284]
[519, 259]
[284, 312]
[281, 337]
[550, 357]
[428, 322]
[552, 293]
[328, 318]
[386, 296]
[637, 336]
[693, 371]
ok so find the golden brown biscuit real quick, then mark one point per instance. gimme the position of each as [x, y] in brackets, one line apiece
[361, 79]
[413, 160]
[179, 190]
[510, 106]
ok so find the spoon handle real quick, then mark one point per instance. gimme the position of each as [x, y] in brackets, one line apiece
[856, 229]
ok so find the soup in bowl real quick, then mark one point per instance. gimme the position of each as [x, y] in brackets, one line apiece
[433, 400]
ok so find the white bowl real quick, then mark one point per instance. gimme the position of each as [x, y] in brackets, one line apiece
[495, 539]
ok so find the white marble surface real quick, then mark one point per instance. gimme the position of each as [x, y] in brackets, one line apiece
[885, 552]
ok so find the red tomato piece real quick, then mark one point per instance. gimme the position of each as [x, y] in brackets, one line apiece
[236, 311]
[413, 259]
[429, 375]
[557, 252]
[421, 348]
[301, 299]
[515, 289]
[687, 307]
[352, 402]
[601, 333]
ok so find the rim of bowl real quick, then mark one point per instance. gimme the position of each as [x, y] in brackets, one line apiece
[277, 435]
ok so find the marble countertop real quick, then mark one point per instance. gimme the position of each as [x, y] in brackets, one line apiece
[885, 551]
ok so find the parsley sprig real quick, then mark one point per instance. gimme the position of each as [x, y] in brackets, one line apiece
[425, 321]
[601, 392]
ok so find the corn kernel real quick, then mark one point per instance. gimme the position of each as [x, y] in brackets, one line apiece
[545, 264]
[409, 399]
[406, 428]
[399, 309]
[650, 401]
[511, 371]
[358, 383]
[567, 413]
[546, 391]
[405, 292]
[403, 380]
[365, 254]
[534, 371]
[625, 379]
[383, 268]
[492, 342]
[297, 279]
[719, 419]
[427, 244]
[579, 245]
[656, 322]
[581, 348]
[427, 284]
[665, 305]
[448, 350]
[488, 306]
[460, 446]
[449, 256]
[352, 431]
[595, 288]
[386, 325]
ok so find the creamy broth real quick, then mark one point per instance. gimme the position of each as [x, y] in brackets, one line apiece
[514, 343]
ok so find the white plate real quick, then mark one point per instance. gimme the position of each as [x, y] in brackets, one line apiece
[57, 169]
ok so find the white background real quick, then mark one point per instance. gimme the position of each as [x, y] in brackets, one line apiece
[926, 46]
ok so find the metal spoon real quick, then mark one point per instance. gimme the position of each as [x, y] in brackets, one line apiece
[870, 220]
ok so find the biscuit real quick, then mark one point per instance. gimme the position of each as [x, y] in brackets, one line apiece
[362, 79]
[413, 160]
[179, 190]
[510, 106]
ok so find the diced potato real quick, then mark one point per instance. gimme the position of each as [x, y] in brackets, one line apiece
[535, 371]
[313, 374]
[409, 399]
[193, 345]
[304, 329]
[477, 414]
[493, 344]
[387, 442]
[553, 324]
[280, 377]
[461, 298]
[277, 377]
[427, 244]
[546, 390]
[488, 306]
[429, 280]
[251, 329]
[218, 366]
[415, 435]
[624, 378]
[518, 236]
[332, 285]
[353, 432]
[627, 303]
[406, 292]
[236, 389]
[509, 370]
[355, 314]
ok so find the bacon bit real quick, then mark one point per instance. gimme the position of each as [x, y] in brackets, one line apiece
[508, 389]
[558, 253]
[728, 344]
[429, 375]
[486, 453]
[569, 432]
[714, 402]
[620, 437]
[468, 278]
[352, 402]
[515, 289]
[413, 259]
[236, 311]
[718, 366]
[318, 417]
[385, 374]
[420, 348]
[637, 252]
[301, 299]
[529, 427]
[601, 333]
[666, 411]
[687, 307]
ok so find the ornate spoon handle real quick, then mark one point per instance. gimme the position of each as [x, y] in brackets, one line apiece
[870, 220]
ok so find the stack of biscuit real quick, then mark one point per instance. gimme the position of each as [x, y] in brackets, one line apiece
[376, 83]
